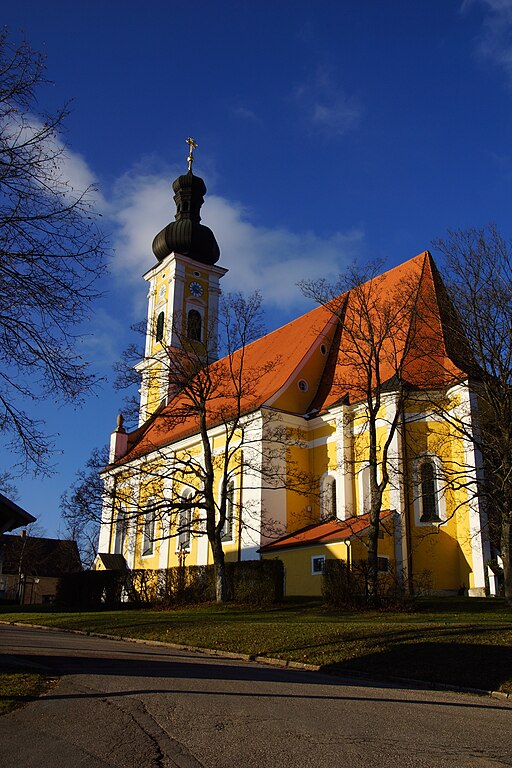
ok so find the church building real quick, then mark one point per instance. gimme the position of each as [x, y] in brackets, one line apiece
[285, 424]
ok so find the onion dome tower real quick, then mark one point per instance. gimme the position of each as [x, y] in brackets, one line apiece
[184, 291]
[186, 234]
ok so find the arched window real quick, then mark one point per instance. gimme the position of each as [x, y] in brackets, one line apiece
[227, 529]
[185, 521]
[194, 322]
[160, 327]
[328, 497]
[148, 542]
[428, 492]
[365, 490]
[121, 530]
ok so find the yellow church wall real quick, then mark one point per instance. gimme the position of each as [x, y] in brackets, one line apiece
[360, 455]
[322, 459]
[122, 499]
[299, 580]
[441, 551]
[154, 385]
[300, 506]
[295, 400]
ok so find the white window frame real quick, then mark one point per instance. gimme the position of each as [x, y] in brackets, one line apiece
[363, 479]
[148, 536]
[328, 496]
[228, 536]
[314, 558]
[121, 531]
[439, 489]
[185, 518]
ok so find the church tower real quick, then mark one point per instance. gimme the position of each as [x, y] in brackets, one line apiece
[183, 296]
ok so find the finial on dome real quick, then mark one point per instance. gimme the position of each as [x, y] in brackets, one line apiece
[192, 144]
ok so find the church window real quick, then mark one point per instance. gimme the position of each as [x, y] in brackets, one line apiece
[382, 564]
[159, 327]
[428, 492]
[365, 490]
[227, 529]
[185, 521]
[323, 349]
[317, 565]
[121, 530]
[328, 498]
[303, 385]
[194, 323]
[148, 542]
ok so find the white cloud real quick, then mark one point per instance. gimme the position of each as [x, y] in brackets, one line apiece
[271, 260]
[326, 106]
[495, 43]
[245, 114]
[61, 170]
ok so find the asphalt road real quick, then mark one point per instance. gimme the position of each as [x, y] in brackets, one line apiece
[123, 705]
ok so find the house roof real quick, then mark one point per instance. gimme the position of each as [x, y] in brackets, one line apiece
[328, 531]
[12, 516]
[37, 556]
[112, 562]
[322, 348]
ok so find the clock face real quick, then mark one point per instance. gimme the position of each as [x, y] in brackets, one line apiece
[196, 289]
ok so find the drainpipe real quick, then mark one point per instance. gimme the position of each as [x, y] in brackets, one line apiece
[239, 506]
[407, 503]
[349, 558]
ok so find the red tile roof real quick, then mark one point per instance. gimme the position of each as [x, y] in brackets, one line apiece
[325, 532]
[271, 363]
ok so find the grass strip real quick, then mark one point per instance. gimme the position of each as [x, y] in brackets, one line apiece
[19, 686]
[461, 642]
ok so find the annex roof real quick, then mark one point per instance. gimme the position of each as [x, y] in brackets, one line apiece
[328, 531]
[112, 561]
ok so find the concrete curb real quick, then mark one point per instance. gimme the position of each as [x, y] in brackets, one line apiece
[271, 662]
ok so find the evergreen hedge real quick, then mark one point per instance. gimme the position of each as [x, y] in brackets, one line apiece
[250, 582]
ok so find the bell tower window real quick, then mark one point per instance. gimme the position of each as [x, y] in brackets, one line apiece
[194, 322]
[159, 334]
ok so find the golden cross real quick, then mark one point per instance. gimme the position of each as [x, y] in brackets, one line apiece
[192, 145]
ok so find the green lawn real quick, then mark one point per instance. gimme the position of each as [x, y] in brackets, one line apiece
[457, 641]
[18, 686]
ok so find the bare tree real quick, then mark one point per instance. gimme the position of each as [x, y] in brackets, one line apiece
[219, 401]
[81, 506]
[51, 257]
[378, 349]
[478, 275]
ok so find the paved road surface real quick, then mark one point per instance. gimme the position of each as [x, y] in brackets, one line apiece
[121, 705]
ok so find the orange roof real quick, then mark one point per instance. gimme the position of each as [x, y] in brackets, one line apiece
[267, 364]
[272, 365]
[325, 532]
[407, 298]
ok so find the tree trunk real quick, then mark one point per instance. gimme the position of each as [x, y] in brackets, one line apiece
[373, 543]
[506, 551]
[221, 585]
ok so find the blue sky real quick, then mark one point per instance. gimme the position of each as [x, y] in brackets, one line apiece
[355, 130]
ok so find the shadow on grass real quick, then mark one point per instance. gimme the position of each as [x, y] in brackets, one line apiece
[487, 667]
